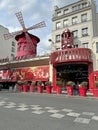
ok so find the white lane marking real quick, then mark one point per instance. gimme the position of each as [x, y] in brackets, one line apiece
[34, 105]
[88, 113]
[37, 108]
[22, 109]
[49, 107]
[67, 110]
[22, 105]
[9, 106]
[82, 120]
[53, 111]
[2, 103]
[38, 112]
[57, 115]
[95, 118]
[73, 114]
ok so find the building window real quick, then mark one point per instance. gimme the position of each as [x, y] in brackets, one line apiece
[20, 48]
[13, 49]
[65, 22]
[74, 8]
[58, 38]
[76, 46]
[13, 43]
[74, 20]
[79, 6]
[12, 55]
[84, 17]
[96, 47]
[66, 11]
[58, 25]
[85, 32]
[57, 48]
[84, 5]
[85, 45]
[75, 33]
[24, 48]
[59, 13]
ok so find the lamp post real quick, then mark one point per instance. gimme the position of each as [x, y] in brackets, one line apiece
[53, 45]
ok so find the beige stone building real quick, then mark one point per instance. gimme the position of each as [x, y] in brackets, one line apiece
[7, 47]
[82, 19]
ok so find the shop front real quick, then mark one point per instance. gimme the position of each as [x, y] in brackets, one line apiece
[72, 64]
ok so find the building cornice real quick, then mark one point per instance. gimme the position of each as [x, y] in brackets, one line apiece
[71, 13]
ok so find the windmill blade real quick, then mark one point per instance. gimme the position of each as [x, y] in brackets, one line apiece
[39, 25]
[11, 35]
[20, 19]
[29, 41]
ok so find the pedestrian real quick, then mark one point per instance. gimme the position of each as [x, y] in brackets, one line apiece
[76, 88]
[15, 88]
[1, 86]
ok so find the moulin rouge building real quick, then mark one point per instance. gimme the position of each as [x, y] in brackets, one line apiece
[67, 64]
[72, 45]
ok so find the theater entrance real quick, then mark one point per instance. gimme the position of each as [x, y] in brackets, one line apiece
[72, 72]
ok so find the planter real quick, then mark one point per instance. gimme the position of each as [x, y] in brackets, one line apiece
[82, 91]
[58, 89]
[40, 89]
[48, 89]
[25, 88]
[32, 88]
[70, 90]
[95, 92]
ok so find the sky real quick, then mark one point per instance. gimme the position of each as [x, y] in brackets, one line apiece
[33, 11]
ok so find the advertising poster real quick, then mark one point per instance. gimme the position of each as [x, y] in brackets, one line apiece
[38, 73]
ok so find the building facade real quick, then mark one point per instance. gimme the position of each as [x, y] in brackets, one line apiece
[7, 47]
[81, 18]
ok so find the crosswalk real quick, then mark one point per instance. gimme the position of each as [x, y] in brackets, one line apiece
[78, 117]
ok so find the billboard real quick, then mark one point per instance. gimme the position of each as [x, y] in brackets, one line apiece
[38, 73]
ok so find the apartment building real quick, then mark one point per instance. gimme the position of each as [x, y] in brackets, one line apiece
[7, 47]
[82, 19]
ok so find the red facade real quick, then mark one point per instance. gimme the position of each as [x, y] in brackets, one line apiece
[26, 47]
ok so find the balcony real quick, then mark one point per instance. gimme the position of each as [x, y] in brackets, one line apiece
[71, 55]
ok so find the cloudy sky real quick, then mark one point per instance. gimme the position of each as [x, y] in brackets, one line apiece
[34, 11]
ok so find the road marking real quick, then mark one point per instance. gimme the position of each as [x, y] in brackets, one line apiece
[88, 113]
[22, 109]
[9, 106]
[2, 103]
[49, 107]
[82, 120]
[22, 105]
[57, 115]
[38, 112]
[53, 111]
[95, 118]
[73, 114]
[37, 108]
[67, 110]
[34, 105]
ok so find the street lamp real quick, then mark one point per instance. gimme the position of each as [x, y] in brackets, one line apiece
[53, 45]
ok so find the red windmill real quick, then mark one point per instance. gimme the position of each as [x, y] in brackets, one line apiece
[27, 42]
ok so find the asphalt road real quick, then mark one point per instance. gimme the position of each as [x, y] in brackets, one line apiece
[32, 111]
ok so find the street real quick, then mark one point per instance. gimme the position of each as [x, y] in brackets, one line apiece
[33, 111]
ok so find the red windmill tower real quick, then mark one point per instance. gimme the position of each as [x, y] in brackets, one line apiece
[27, 43]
